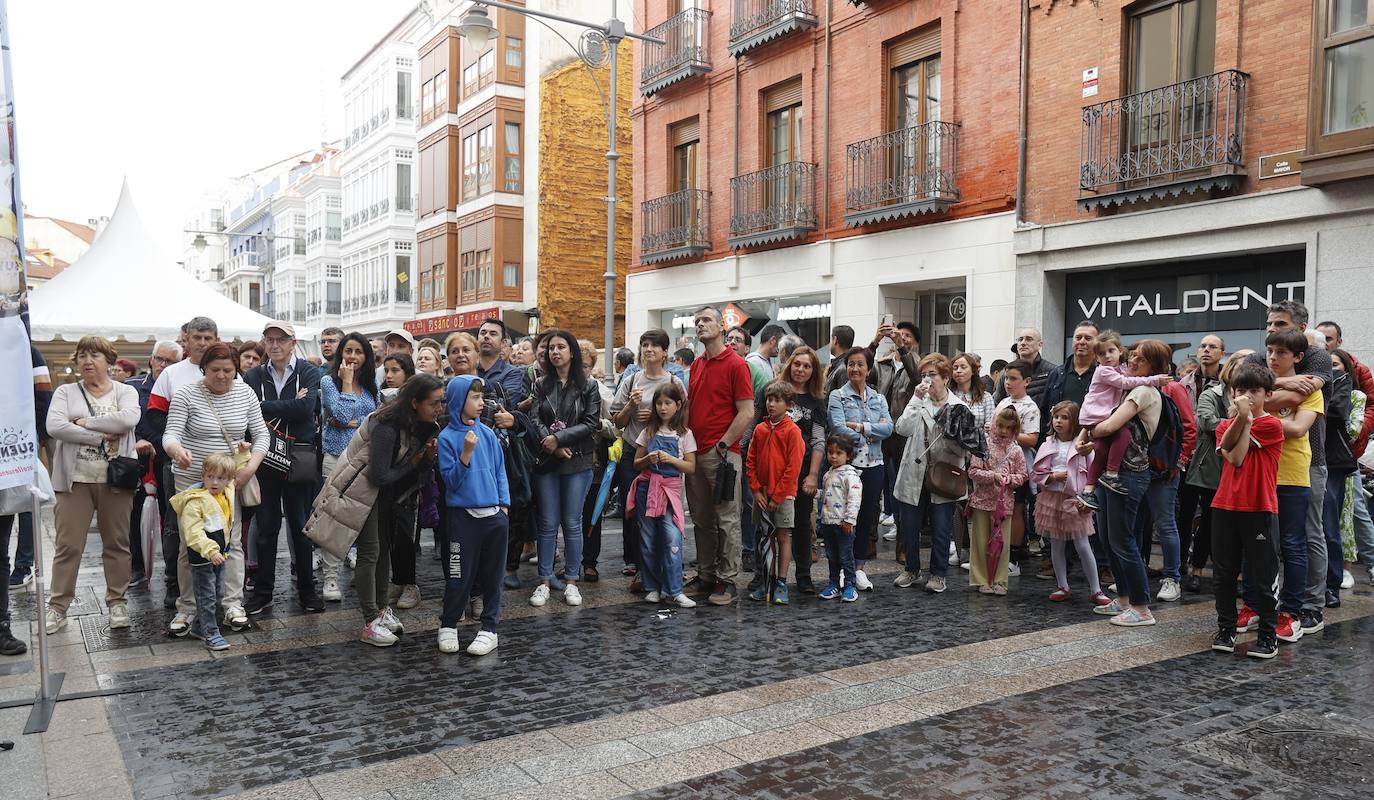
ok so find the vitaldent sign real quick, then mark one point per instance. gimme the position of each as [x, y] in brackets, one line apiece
[1202, 296]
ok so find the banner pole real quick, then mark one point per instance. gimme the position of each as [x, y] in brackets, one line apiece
[40, 595]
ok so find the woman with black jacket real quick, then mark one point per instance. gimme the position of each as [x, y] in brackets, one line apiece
[567, 415]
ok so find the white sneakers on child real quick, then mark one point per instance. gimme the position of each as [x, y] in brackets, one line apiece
[683, 601]
[861, 581]
[375, 633]
[484, 643]
[540, 595]
[572, 596]
[391, 621]
[448, 640]
[331, 590]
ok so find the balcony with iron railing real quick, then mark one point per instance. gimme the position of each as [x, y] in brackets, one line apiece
[757, 22]
[902, 173]
[1170, 141]
[773, 204]
[683, 54]
[676, 226]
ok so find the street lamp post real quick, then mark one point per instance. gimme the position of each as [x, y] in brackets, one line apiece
[476, 28]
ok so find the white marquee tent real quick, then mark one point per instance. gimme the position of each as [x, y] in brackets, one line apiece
[124, 288]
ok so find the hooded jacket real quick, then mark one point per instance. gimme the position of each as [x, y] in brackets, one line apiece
[481, 483]
[775, 459]
[199, 514]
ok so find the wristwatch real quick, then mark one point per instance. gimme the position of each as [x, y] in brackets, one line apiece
[722, 447]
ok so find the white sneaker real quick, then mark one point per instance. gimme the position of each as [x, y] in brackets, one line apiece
[316, 560]
[180, 624]
[953, 551]
[56, 622]
[1168, 591]
[652, 597]
[352, 559]
[540, 596]
[572, 596]
[119, 616]
[410, 597]
[389, 619]
[375, 633]
[1111, 587]
[964, 566]
[886, 521]
[1013, 570]
[904, 580]
[861, 581]
[534, 559]
[448, 640]
[331, 590]
[236, 617]
[890, 535]
[683, 601]
[1347, 580]
[393, 593]
[484, 643]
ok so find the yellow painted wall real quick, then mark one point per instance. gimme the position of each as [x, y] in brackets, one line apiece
[572, 183]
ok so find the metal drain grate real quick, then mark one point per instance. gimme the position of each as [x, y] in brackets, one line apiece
[1325, 752]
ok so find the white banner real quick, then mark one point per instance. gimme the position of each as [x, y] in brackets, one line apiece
[18, 439]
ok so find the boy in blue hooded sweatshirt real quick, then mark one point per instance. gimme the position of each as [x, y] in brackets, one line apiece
[478, 499]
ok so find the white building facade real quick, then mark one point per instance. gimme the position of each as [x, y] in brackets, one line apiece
[322, 234]
[378, 185]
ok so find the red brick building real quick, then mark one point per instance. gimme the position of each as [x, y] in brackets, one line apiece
[822, 163]
[1190, 160]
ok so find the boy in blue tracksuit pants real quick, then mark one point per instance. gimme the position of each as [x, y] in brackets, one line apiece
[478, 500]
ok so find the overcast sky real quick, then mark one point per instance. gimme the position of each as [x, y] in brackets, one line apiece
[178, 96]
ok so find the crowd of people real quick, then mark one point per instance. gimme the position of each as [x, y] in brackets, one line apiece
[514, 451]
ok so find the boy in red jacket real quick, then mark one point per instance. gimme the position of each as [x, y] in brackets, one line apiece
[775, 462]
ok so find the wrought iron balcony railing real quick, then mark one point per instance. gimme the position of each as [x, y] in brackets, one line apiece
[773, 204]
[757, 22]
[902, 173]
[683, 54]
[1176, 139]
[675, 226]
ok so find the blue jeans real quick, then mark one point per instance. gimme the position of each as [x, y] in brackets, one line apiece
[660, 545]
[1162, 499]
[560, 499]
[1293, 502]
[839, 553]
[208, 582]
[1331, 524]
[1364, 529]
[23, 547]
[866, 530]
[1119, 512]
[941, 517]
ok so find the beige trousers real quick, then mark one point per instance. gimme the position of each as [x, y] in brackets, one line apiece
[73, 513]
[980, 530]
[716, 524]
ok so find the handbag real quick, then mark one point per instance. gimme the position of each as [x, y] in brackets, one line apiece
[943, 479]
[251, 493]
[293, 462]
[121, 472]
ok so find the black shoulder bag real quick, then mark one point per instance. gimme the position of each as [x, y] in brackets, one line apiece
[122, 472]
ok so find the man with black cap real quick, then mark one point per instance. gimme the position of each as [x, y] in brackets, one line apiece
[289, 388]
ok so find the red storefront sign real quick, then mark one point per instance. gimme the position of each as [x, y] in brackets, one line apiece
[732, 316]
[451, 322]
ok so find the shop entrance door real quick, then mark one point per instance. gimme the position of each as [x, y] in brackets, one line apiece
[948, 312]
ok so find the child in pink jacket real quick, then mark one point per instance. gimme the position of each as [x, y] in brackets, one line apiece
[1061, 473]
[1109, 385]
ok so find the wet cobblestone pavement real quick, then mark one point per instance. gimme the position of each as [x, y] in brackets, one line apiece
[902, 694]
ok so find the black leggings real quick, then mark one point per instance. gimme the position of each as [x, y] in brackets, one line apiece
[1192, 499]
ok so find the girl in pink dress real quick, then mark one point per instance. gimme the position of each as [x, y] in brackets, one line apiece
[1061, 473]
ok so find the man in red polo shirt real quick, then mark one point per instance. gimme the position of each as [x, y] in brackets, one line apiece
[720, 410]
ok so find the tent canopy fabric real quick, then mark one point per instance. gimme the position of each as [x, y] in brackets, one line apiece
[124, 288]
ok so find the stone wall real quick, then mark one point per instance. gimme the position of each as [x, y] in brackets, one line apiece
[572, 183]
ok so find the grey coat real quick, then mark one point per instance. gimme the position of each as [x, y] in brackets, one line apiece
[1205, 470]
[348, 498]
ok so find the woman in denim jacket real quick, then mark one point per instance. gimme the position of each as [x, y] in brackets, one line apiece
[860, 411]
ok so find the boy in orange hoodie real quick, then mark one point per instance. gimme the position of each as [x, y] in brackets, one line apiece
[775, 462]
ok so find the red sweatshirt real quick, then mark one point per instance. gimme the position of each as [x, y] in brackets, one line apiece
[1364, 381]
[775, 459]
[1179, 395]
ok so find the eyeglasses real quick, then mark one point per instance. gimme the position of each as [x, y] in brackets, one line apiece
[270, 341]
[163, 361]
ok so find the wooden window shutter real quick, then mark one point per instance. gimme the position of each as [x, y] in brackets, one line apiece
[467, 239]
[783, 96]
[484, 235]
[686, 132]
[914, 47]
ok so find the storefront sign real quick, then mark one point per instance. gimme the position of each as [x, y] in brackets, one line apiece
[732, 316]
[1203, 296]
[451, 322]
[809, 311]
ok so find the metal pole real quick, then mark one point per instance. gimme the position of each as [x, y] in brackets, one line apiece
[40, 596]
[615, 31]
[608, 28]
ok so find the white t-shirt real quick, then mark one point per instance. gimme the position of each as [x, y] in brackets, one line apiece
[1027, 410]
[687, 443]
[91, 460]
[182, 373]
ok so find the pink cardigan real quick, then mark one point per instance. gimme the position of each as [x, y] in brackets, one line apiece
[1077, 468]
[986, 487]
[665, 496]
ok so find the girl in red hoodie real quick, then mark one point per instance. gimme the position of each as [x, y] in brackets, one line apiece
[775, 458]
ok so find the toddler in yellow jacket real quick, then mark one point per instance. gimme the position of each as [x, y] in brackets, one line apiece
[205, 514]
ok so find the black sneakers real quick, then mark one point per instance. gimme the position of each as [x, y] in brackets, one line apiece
[1311, 621]
[257, 604]
[10, 646]
[1224, 641]
[1267, 646]
[310, 602]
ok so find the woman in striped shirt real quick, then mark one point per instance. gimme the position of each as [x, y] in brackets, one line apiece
[212, 415]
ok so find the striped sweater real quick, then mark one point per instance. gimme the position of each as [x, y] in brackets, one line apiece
[194, 417]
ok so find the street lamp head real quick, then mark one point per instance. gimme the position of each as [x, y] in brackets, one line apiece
[199, 243]
[476, 27]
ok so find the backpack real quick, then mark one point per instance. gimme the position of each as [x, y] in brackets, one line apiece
[1167, 444]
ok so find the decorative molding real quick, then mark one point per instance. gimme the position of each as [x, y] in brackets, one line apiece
[1048, 5]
